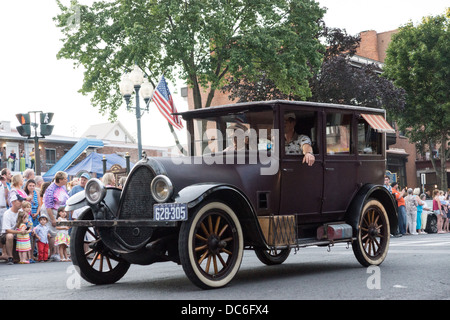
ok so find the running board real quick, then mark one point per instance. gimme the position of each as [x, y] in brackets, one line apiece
[281, 232]
[309, 242]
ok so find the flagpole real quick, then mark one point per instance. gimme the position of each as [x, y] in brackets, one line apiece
[177, 142]
[174, 134]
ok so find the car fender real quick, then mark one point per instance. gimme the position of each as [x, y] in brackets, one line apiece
[111, 201]
[372, 191]
[76, 201]
[194, 194]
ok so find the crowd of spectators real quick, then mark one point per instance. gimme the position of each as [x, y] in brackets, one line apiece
[29, 210]
[414, 213]
[17, 161]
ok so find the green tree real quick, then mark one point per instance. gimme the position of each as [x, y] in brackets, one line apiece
[199, 41]
[418, 60]
[244, 88]
[337, 81]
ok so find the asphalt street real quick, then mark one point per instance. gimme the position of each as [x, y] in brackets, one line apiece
[415, 268]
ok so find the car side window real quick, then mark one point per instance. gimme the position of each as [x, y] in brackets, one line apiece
[233, 132]
[369, 141]
[305, 124]
[206, 137]
[338, 133]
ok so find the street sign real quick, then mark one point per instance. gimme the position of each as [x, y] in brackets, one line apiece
[423, 178]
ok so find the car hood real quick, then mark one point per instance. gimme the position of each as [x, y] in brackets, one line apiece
[194, 171]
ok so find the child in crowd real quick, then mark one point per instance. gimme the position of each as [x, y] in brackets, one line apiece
[62, 239]
[23, 244]
[42, 234]
[26, 207]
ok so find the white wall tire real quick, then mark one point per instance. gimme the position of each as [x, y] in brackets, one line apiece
[373, 235]
[211, 245]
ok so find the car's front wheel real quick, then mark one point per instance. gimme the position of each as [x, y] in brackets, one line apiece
[211, 245]
[96, 263]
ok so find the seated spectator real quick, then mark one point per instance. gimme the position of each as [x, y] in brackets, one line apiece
[9, 231]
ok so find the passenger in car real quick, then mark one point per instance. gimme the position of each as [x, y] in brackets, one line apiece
[297, 144]
[234, 135]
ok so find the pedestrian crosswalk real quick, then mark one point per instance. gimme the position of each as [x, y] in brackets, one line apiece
[422, 243]
[430, 244]
[422, 240]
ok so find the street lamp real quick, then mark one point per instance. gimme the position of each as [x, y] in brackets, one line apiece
[135, 81]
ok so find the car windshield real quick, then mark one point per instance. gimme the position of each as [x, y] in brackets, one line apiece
[239, 131]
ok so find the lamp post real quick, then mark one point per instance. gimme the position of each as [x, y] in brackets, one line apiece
[135, 81]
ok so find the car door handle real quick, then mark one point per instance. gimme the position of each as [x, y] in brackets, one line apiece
[288, 170]
[329, 169]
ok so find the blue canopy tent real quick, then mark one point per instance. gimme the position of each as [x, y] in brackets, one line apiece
[94, 163]
[71, 156]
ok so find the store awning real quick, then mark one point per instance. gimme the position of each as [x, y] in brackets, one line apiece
[378, 123]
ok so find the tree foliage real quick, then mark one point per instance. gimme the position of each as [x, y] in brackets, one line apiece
[337, 81]
[340, 82]
[262, 88]
[418, 60]
[199, 41]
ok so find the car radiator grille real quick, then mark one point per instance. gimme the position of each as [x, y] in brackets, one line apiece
[136, 203]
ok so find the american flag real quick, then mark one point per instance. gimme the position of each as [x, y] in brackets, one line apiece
[163, 100]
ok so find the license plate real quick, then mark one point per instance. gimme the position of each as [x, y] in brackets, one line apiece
[170, 212]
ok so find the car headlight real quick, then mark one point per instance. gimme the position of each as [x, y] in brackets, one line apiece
[95, 191]
[161, 188]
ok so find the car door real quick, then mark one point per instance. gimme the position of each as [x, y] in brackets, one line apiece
[340, 164]
[301, 185]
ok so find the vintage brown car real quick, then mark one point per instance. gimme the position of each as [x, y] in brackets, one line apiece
[242, 187]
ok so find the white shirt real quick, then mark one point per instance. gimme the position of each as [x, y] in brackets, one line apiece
[9, 220]
[296, 144]
[2, 195]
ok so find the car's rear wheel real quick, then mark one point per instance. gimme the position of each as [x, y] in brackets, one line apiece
[211, 245]
[96, 263]
[273, 256]
[373, 234]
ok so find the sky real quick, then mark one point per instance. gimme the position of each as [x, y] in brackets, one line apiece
[33, 79]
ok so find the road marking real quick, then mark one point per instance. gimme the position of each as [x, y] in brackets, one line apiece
[415, 251]
[425, 242]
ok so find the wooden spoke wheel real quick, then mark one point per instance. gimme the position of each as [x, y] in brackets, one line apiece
[96, 263]
[273, 256]
[211, 245]
[372, 241]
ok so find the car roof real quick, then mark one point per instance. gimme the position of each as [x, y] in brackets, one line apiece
[236, 107]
